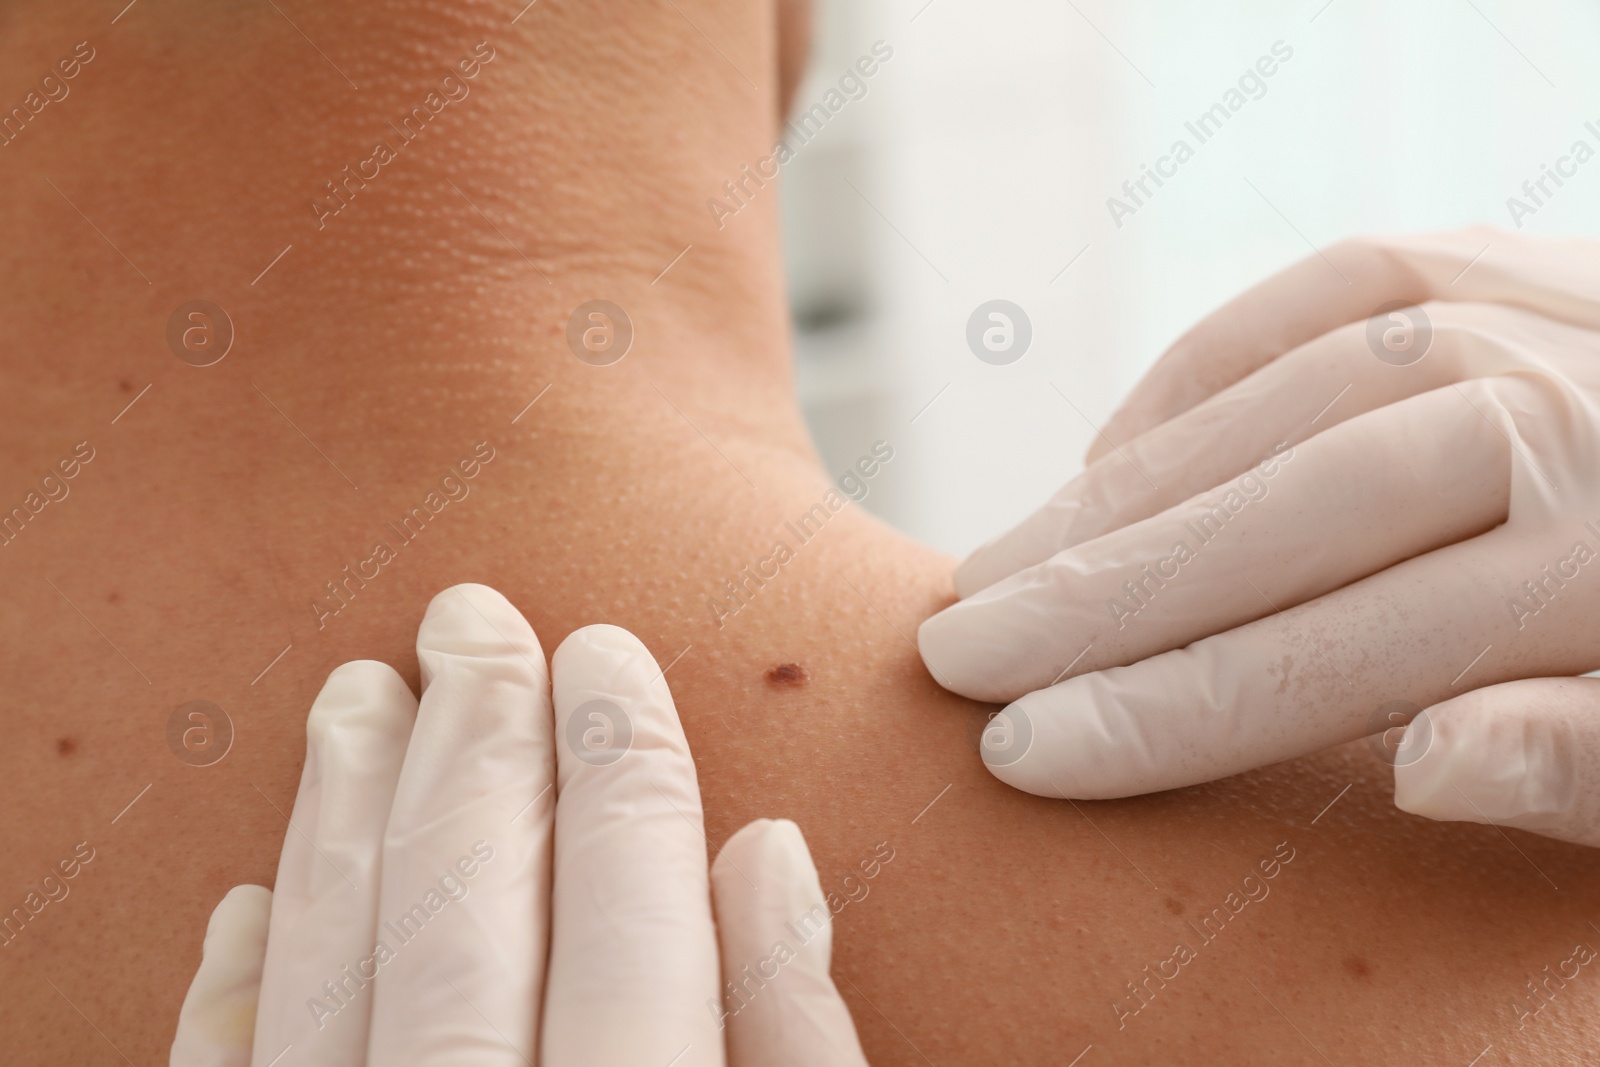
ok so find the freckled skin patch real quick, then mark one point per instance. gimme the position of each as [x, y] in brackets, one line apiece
[1358, 967]
[790, 675]
[1175, 905]
[114, 597]
[66, 746]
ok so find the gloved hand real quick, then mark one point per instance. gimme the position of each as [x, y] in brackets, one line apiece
[476, 881]
[1317, 516]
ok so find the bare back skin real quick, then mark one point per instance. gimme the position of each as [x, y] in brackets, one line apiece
[389, 336]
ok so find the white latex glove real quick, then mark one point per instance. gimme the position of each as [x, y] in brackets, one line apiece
[483, 880]
[1356, 536]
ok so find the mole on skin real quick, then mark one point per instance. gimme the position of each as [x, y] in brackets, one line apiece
[788, 674]
[1357, 967]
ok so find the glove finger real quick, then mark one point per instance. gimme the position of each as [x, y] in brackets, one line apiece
[325, 900]
[464, 907]
[218, 1017]
[1306, 521]
[1348, 283]
[633, 955]
[1310, 391]
[1523, 754]
[780, 1006]
[1300, 680]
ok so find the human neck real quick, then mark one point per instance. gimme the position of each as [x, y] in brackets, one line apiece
[455, 266]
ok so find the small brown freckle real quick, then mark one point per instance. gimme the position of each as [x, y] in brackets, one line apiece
[788, 674]
[125, 384]
[1175, 905]
[114, 597]
[1358, 967]
[66, 746]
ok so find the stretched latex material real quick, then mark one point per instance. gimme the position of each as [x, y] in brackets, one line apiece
[219, 1012]
[325, 898]
[781, 1006]
[1518, 754]
[1309, 536]
[634, 957]
[471, 810]
[1553, 278]
[459, 871]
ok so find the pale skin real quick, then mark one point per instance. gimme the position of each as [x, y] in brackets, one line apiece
[419, 321]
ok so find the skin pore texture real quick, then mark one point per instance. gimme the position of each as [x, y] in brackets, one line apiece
[408, 332]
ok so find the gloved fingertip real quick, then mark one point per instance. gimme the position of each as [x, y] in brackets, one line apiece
[470, 610]
[1479, 762]
[463, 595]
[1471, 767]
[1424, 772]
[606, 661]
[931, 639]
[774, 847]
[770, 833]
[603, 644]
[748, 839]
[1519, 753]
[476, 622]
[768, 895]
[953, 654]
[359, 675]
[241, 914]
[993, 646]
[1005, 744]
[613, 706]
[353, 690]
[217, 1020]
[764, 878]
[974, 573]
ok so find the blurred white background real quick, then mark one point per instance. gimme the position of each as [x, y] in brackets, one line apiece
[979, 163]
